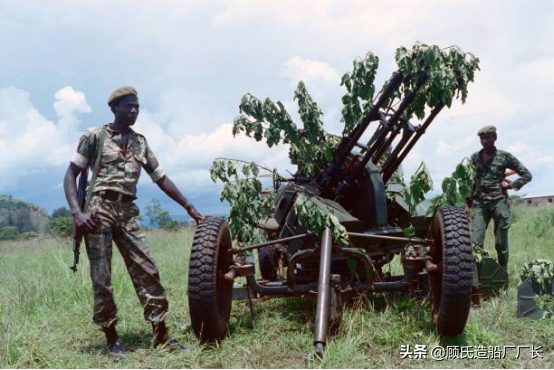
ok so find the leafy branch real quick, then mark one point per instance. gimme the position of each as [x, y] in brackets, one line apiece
[440, 76]
[242, 190]
[413, 194]
[420, 184]
[315, 218]
[457, 187]
[540, 271]
[243, 193]
[310, 147]
[447, 74]
[360, 89]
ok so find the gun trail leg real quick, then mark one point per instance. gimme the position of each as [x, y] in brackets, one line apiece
[323, 293]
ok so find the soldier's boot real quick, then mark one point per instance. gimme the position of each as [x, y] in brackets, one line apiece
[163, 340]
[507, 283]
[115, 346]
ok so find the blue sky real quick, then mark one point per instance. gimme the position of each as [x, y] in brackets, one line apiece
[191, 61]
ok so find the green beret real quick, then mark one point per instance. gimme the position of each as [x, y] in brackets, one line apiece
[121, 92]
[490, 129]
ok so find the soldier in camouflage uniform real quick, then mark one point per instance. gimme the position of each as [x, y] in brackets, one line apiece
[489, 198]
[112, 216]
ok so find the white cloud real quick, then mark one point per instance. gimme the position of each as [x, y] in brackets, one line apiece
[322, 82]
[187, 159]
[310, 71]
[518, 148]
[70, 102]
[193, 67]
[329, 22]
[445, 149]
[31, 143]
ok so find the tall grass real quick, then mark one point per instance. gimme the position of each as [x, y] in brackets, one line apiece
[45, 315]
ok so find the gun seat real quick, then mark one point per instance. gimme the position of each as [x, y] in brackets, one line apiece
[269, 224]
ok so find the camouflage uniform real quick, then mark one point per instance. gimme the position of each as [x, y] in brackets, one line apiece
[117, 221]
[490, 201]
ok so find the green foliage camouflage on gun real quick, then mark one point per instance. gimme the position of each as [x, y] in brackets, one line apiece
[447, 71]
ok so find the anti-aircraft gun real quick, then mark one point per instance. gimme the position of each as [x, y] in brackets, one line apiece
[353, 186]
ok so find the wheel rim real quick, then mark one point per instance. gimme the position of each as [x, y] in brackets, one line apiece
[435, 279]
[224, 287]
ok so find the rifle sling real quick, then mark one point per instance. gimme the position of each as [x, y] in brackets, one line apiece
[96, 167]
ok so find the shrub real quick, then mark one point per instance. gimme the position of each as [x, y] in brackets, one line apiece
[61, 212]
[61, 226]
[9, 233]
[29, 235]
[158, 216]
[172, 225]
[540, 271]
[541, 223]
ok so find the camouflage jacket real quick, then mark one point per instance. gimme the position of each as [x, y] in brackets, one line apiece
[119, 168]
[488, 176]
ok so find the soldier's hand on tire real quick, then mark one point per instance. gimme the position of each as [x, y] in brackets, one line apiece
[85, 222]
[199, 218]
[195, 214]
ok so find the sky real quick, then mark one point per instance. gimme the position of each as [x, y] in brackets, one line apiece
[191, 62]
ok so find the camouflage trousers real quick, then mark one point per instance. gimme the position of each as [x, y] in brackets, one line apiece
[481, 214]
[118, 222]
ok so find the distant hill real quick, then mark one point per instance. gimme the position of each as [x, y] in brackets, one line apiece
[23, 215]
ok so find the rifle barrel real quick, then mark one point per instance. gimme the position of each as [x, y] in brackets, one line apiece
[77, 233]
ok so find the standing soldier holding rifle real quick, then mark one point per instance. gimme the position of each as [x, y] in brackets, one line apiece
[489, 198]
[116, 155]
[77, 233]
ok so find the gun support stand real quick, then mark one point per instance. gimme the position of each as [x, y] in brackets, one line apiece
[323, 294]
[251, 306]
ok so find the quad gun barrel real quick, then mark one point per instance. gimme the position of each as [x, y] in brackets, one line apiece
[343, 170]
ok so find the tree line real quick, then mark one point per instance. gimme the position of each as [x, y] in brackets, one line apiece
[20, 220]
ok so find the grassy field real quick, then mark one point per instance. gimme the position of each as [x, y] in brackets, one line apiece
[45, 315]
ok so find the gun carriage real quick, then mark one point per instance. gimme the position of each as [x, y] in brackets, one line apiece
[353, 184]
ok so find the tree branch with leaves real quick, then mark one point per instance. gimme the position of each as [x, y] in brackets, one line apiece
[436, 75]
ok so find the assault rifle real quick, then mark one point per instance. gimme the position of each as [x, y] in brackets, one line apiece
[84, 198]
[78, 234]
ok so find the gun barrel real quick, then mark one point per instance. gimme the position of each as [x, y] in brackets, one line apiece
[403, 148]
[385, 139]
[382, 143]
[328, 178]
[373, 113]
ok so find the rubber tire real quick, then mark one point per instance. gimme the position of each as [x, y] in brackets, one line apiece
[451, 286]
[210, 295]
[268, 260]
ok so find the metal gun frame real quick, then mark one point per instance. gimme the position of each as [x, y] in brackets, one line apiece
[353, 186]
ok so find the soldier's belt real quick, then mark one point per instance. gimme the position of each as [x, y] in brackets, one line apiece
[115, 196]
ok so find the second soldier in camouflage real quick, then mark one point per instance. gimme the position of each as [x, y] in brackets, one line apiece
[489, 198]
